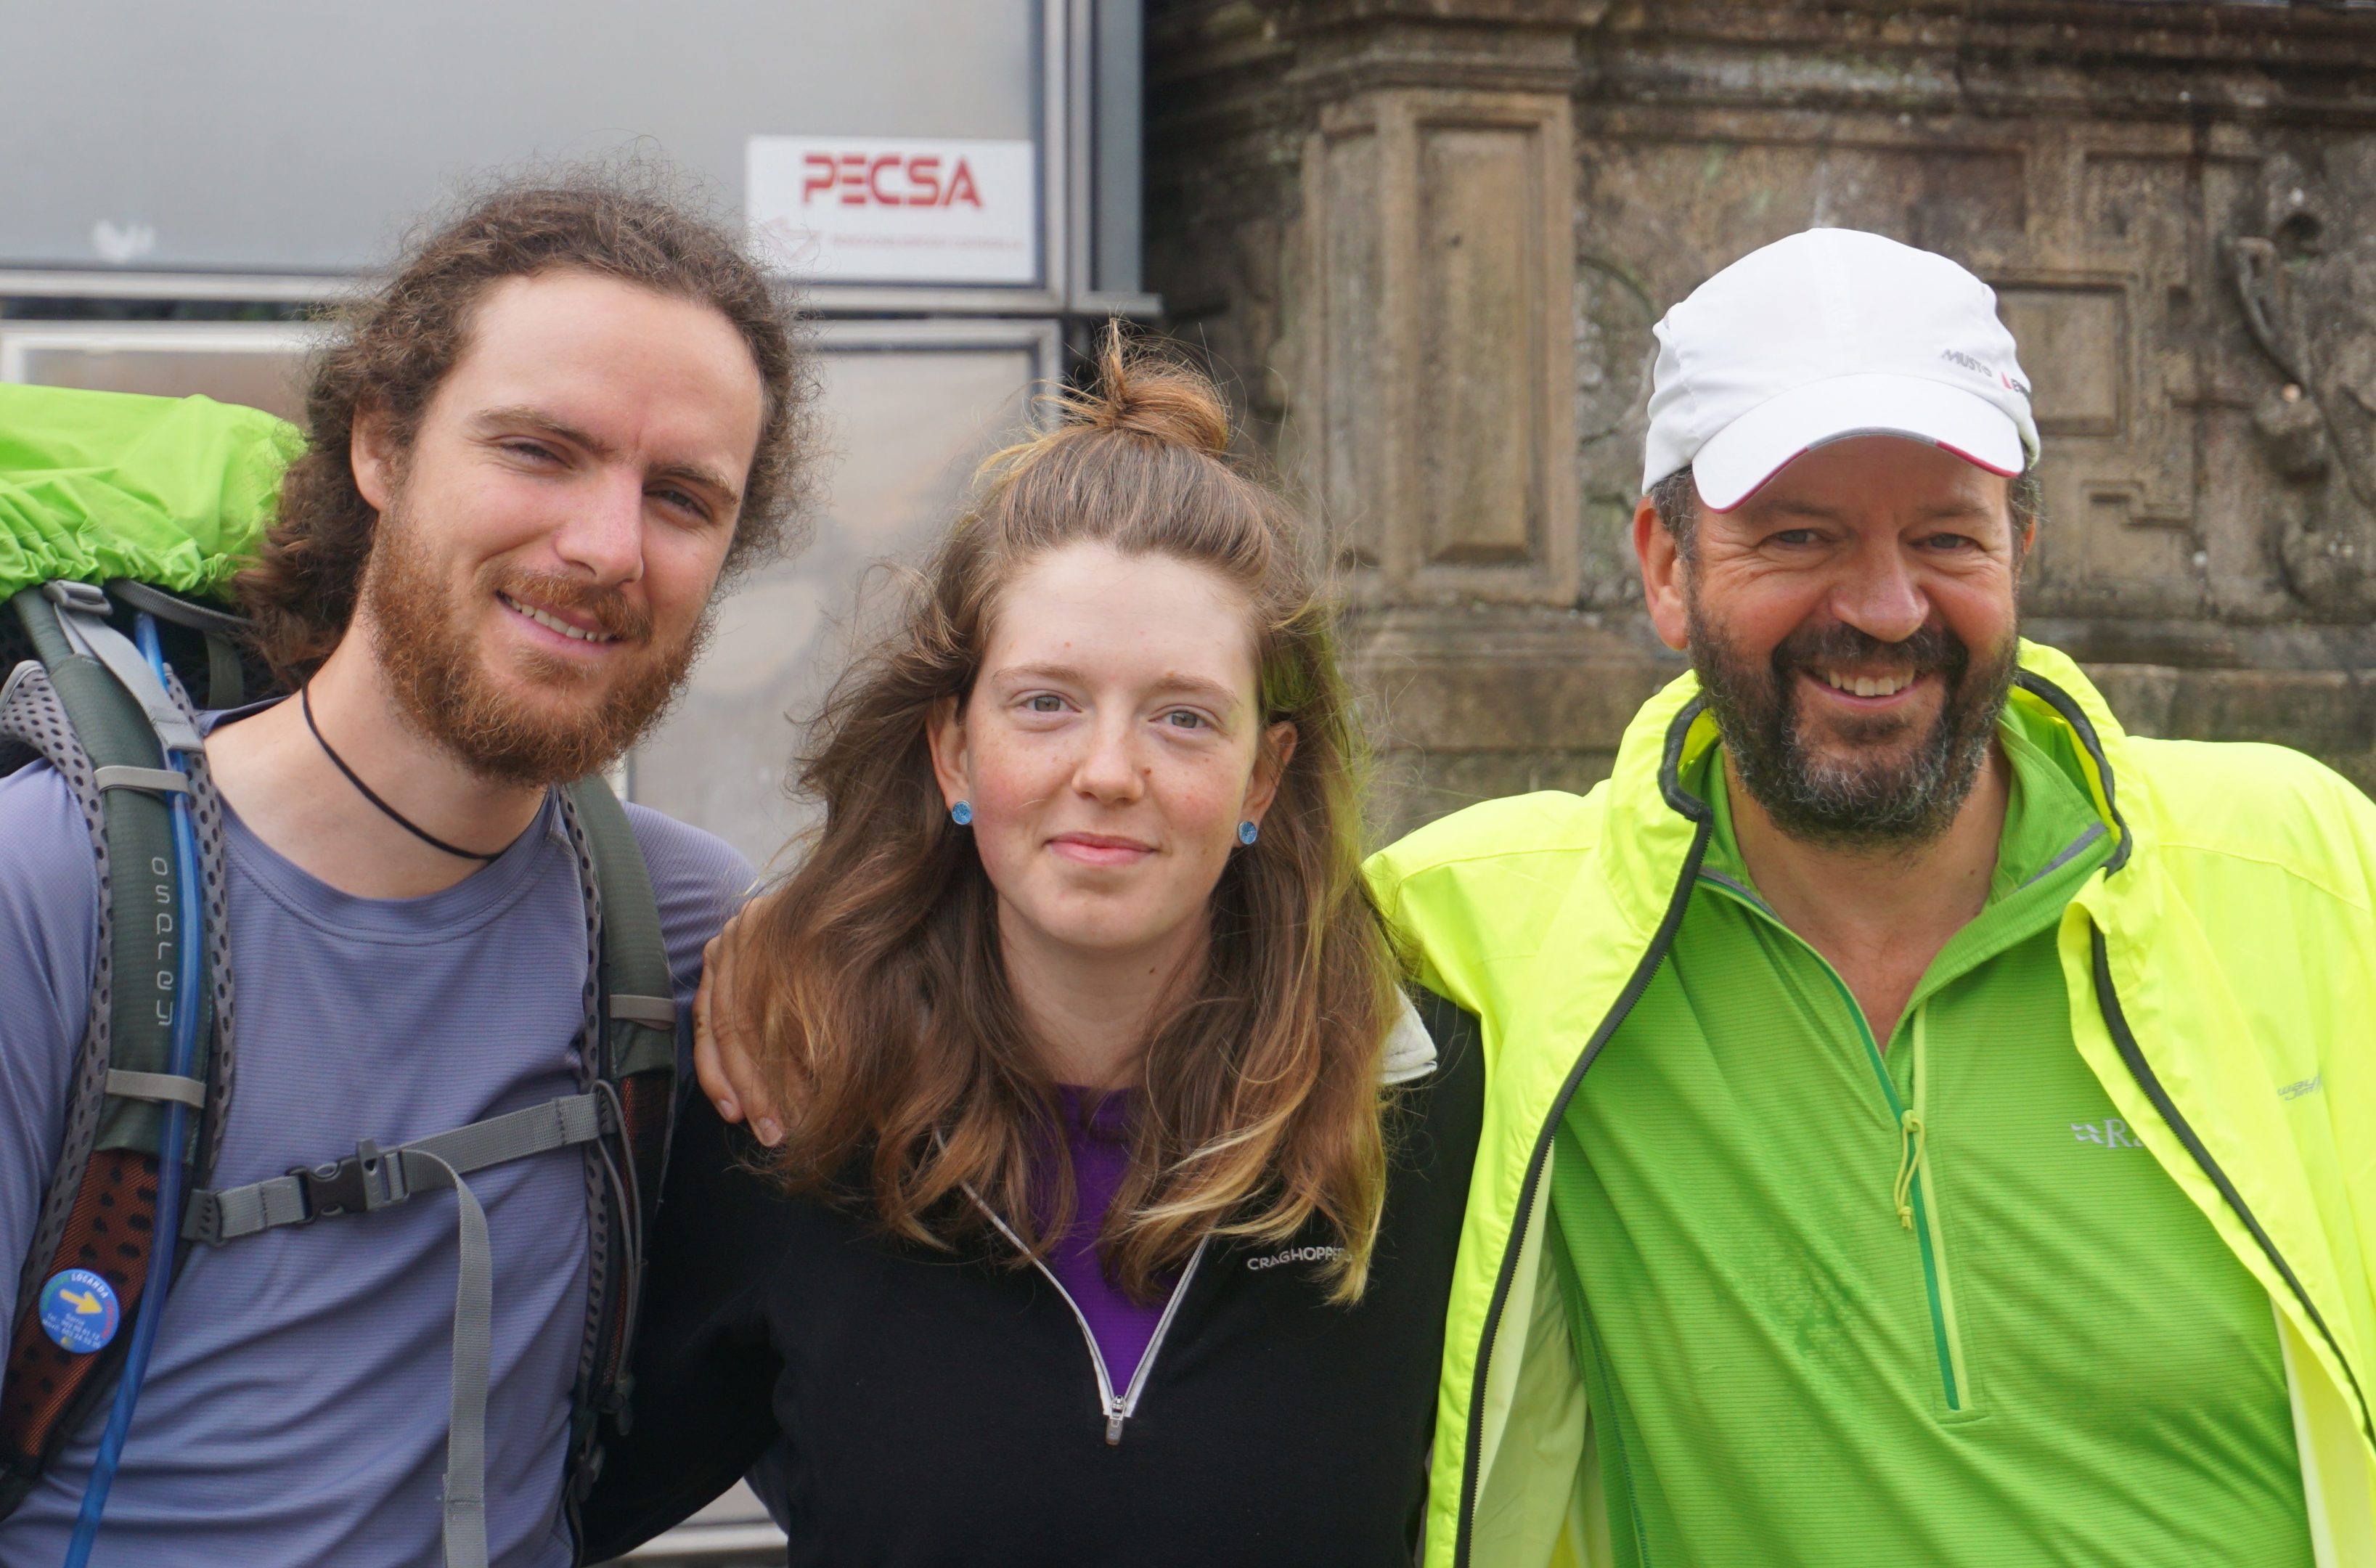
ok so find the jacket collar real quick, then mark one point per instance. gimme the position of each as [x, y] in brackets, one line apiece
[1653, 817]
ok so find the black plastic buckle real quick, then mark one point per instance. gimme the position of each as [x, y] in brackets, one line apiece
[586, 1472]
[367, 1180]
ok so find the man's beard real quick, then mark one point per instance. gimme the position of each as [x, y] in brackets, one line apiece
[1882, 796]
[431, 659]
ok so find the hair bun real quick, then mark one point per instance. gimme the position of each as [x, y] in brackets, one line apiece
[1142, 391]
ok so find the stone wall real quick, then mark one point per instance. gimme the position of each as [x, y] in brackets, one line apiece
[1424, 240]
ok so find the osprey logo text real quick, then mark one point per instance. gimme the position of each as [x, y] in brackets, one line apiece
[2111, 1132]
[2301, 1087]
[159, 869]
[1295, 1254]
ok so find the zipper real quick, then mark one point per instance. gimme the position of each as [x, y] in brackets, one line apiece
[2076, 717]
[1116, 1410]
[1660, 942]
[2125, 1041]
[1910, 1195]
[1915, 1213]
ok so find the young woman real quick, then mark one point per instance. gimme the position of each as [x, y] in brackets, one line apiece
[1113, 1210]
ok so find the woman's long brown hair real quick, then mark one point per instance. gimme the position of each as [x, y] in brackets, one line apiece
[876, 991]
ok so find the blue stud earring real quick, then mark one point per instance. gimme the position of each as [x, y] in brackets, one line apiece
[1248, 833]
[962, 814]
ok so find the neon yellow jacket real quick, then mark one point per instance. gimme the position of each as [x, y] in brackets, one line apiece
[2222, 976]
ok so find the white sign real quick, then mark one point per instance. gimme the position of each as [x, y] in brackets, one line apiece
[894, 209]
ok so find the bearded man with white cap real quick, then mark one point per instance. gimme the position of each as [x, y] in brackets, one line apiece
[1926, 1124]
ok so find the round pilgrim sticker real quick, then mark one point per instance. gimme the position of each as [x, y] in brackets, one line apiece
[79, 1310]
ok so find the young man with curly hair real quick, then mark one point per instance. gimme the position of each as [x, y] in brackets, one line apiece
[531, 458]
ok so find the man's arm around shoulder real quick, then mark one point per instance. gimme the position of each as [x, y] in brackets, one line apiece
[1483, 884]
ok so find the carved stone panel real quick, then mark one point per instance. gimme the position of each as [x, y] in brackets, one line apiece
[2305, 284]
[2120, 454]
[2108, 257]
[2078, 335]
[1479, 417]
[1437, 389]
[1348, 408]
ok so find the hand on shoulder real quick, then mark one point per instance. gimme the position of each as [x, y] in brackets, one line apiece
[725, 1053]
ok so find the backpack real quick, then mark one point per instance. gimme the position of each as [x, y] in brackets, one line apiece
[116, 509]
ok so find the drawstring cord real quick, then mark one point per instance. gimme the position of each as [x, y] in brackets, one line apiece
[1911, 1143]
[1909, 1155]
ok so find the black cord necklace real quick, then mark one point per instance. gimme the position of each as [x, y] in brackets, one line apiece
[305, 704]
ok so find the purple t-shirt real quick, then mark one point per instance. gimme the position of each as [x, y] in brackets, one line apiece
[1100, 1145]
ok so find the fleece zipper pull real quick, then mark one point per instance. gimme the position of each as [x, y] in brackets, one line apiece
[1910, 1157]
[1911, 1145]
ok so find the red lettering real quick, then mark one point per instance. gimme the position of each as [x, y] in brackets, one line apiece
[817, 175]
[888, 179]
[961, 186]
[924, 180]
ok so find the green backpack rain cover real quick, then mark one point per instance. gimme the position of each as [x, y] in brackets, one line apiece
[171, 491]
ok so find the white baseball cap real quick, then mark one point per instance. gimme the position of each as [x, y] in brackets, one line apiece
[1826, 335]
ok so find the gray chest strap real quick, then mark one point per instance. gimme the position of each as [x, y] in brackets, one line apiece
[373, 1179]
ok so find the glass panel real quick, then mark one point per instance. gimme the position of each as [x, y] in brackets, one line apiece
[273, 136]
[262, 367]
[1117, 87]
[908, 426]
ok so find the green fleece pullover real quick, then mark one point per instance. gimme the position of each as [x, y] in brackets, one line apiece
[1849, 1302]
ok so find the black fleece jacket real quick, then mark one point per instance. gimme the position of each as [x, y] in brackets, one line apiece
[933, 1410]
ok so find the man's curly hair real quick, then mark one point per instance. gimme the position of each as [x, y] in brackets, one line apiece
[395, 345]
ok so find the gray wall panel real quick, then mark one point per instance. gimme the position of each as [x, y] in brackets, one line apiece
[280, 134]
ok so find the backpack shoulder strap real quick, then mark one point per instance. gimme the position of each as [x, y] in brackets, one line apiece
[636, 1017]
[638, 987]
[98, 1210]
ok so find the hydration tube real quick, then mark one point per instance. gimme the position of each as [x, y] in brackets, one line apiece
[182, 1052]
